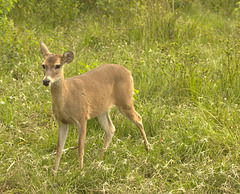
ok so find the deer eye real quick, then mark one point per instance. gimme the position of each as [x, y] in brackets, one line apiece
[58, 66]
[43, 66]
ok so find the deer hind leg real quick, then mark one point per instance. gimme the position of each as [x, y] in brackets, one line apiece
[62, 135]
[109, 129]
[130, 113]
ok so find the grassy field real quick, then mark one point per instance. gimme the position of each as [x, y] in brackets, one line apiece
[184, 57]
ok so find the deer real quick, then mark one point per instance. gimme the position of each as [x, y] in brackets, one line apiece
[77, 99]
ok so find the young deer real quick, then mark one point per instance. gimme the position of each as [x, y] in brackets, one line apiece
[92, 94]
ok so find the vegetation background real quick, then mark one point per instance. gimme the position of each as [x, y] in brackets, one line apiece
[184, 56]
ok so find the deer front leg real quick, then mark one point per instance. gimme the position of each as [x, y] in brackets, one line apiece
[81, 140]
[62, 135]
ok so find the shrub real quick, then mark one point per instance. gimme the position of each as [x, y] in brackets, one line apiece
[5, 8]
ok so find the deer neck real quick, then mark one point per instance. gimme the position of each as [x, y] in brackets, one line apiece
[58, 92]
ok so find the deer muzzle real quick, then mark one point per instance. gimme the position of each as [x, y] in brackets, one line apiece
[46, 82]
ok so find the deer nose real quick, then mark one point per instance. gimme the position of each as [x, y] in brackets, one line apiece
[46, 82]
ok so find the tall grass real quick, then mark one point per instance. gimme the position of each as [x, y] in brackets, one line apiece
[184, 61]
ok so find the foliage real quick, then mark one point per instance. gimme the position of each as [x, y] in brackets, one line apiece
[237, 9]
[5, 8]
[184, 58]
[222, 6]
[54, 13]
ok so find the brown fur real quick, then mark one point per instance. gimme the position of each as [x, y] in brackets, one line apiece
[93, 94]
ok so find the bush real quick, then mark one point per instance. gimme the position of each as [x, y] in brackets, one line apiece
[5, 8]
[223, 6]
[53, 13]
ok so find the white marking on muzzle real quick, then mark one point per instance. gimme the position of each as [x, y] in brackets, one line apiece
[48, 78]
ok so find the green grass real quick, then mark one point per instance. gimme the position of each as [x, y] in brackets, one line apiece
[185, 66]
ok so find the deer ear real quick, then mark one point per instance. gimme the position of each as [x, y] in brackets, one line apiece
[67, 57]
[44, 50]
